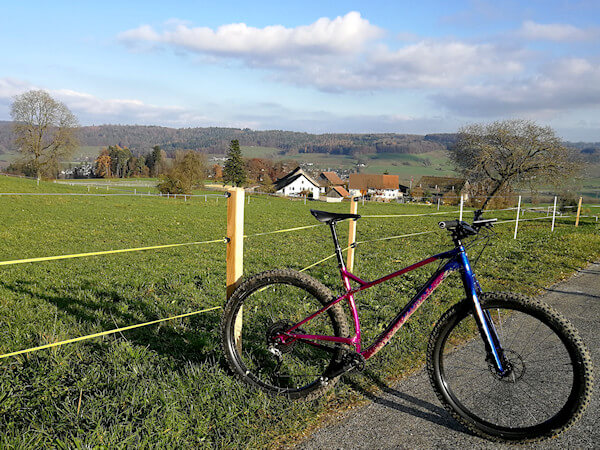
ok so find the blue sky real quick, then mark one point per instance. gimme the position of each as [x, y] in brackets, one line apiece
[327, 66]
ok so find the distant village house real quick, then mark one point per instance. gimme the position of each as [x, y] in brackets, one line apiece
[328, 180]
[377, 187]
[336, 194]
[296, 184]
[449, 189]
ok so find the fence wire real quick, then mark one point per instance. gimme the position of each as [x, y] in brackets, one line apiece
[105, 252]
[118, 330]
[105, 333]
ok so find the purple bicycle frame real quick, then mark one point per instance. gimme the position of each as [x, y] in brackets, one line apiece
[433, 282]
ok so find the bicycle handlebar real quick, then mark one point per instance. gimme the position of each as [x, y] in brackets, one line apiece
[463, 229]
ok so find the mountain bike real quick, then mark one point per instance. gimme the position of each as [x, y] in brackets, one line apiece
[508, 367]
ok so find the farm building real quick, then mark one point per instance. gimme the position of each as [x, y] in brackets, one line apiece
[327, 180]
[444, 187]
[297, 183]
[378, 187]
[336, 194]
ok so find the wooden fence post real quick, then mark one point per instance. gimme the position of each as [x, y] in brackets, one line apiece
[462, 202]
[235, 249]
[351, 235]
[578, 211]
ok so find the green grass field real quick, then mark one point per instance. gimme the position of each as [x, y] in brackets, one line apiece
[405, 165]
[82, 153]
[259, 152]
[408, 166]
[166, 385]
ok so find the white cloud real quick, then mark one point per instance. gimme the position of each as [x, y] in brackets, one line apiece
[9, 87]
[442, 64]
[556, 32]
[341, 54]
[92, 109]
[424, 65]
[272, 45]
[568, 84]
[142, 33]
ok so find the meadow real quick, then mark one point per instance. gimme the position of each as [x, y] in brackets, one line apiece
[166, 385]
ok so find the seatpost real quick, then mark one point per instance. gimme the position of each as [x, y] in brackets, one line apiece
[338, 250]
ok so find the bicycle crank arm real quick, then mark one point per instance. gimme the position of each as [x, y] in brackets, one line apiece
[348, 362]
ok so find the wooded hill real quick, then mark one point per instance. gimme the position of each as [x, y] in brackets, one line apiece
[141, 139]
[216, 140]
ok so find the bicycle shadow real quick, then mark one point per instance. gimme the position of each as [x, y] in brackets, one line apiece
[405, 403]
[580, 294]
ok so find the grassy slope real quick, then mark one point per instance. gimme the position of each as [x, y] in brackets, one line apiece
[165, 385]
[408, 166]
[82, 153]
[259, 152]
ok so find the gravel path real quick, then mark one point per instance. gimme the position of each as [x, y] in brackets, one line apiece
[408, 414]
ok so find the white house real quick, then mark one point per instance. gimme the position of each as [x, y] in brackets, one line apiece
[378, 187]
[297, 183]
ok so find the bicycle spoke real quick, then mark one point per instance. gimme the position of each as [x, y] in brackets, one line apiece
[539, 344]
[540, 377]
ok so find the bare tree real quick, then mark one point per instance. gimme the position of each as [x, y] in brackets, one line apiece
[188, 172]
[44, 129]
[500, 154]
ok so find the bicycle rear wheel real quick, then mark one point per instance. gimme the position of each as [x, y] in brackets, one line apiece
[266, 305]
[550, 371]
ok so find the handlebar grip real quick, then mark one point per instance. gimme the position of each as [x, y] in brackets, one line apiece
[448, 224]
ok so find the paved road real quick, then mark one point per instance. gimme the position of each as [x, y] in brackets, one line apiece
[408, 414]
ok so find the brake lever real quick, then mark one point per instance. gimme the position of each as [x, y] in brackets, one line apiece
[488, 223]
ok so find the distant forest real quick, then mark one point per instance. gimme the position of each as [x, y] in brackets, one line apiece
[141, 139]
[216, 140]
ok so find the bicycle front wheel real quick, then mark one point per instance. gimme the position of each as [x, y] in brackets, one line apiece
[549, 380]
[268, 304]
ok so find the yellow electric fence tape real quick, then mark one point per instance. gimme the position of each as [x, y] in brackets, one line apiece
[106, 252]
[154, 247]
[104, 333]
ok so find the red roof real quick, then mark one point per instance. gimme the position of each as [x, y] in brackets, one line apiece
[340, 191]
[363, 181]
[332, 178]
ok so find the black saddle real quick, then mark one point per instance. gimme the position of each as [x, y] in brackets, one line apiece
[331, 217]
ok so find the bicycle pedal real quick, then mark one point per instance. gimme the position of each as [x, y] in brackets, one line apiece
[353, 360]
[348, 361]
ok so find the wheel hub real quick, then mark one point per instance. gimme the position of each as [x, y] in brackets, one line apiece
[515, 367]
[273, 340]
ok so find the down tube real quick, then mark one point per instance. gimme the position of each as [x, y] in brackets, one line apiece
[433, 282]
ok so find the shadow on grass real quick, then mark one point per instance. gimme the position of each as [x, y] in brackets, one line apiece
[405, 403]
[196, 344]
